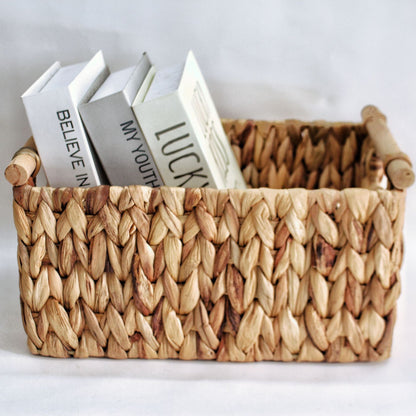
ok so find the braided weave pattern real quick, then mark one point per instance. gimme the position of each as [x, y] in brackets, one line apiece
[227, 275]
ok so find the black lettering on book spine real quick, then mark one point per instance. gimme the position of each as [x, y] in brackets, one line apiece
[176, 147]
[141, 158]
[82, 178]
[72, 146]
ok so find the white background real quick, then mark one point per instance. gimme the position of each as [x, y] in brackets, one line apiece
[261, 59]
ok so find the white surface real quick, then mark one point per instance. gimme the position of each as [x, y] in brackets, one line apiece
[316, 59]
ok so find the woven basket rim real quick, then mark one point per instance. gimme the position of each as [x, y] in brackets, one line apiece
[215, 190]
[315, 122]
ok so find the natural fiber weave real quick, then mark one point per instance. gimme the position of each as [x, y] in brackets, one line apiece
[227, 275]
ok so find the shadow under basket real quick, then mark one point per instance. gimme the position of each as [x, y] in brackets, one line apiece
[305, 272]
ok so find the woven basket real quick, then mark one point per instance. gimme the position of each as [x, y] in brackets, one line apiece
[306, 272]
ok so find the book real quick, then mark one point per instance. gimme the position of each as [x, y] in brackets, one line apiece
[51, 105]
[184, 132]
[113, 129]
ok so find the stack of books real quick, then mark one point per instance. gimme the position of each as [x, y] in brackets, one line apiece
[137, 126]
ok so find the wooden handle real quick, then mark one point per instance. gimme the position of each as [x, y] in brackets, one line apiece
[397, 164]
[24, 165]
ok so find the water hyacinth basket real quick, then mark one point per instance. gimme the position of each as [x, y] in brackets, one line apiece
[304, 266]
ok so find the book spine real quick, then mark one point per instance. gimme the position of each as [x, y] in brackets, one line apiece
[212, 138]
[170, 136]
[119, 142]
[61, 140]
[210, 134]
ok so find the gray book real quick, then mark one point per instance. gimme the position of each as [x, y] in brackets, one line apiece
[113, 128]
[51, 105]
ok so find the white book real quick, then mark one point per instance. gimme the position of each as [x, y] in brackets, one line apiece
[113, 129]
[51, 105]
[184, 132]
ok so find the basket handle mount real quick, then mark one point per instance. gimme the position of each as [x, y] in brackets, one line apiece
[397, 164]
[24, 165]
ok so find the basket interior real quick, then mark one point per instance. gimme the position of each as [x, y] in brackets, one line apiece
[293, 154]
